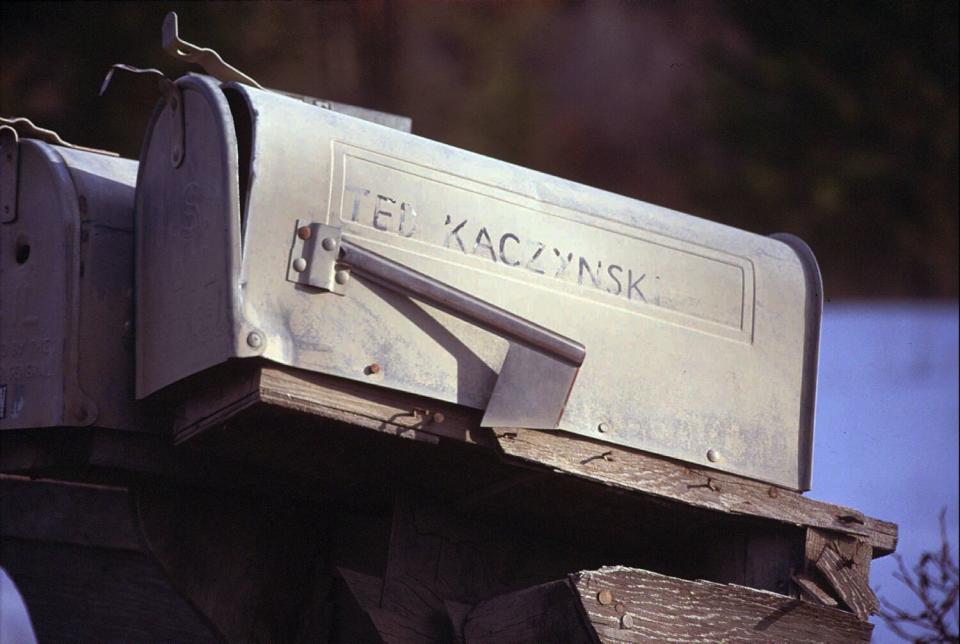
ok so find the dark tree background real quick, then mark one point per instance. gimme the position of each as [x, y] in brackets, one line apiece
[836, 121]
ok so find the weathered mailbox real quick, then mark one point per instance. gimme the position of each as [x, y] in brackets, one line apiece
[66, 282]
[337, 245]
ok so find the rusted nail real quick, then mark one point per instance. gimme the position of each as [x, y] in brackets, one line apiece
[620, 608]
[713, 485]
[304, 232]
[626, 621]
[773, 492]
[605, 597]
[438, 417]
[607, 456]
[374, 369]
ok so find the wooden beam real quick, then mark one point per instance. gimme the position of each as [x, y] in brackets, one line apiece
[384, 410]
[631, 605]
[844, 562]
[405, 415]
[640, 472]
[69, 513]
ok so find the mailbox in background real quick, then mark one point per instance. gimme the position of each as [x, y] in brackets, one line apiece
[269, 227]
[66, 282]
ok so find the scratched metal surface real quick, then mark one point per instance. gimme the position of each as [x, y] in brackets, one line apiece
[700, 338]
[66, 288]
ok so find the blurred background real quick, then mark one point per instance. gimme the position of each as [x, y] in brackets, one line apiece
[835, 121]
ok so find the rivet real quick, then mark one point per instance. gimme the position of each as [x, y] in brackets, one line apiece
[328, 243]
[342, 277]
[373, 369]
[299, 264]
[620, 609]
[603, 428]
[605, 597]
[713, 455]
[626, 621]
[438, 417]
[304, 232]
[254, 339]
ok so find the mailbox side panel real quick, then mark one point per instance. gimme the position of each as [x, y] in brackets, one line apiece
[105, 194]
[187, 240]
[697, 334]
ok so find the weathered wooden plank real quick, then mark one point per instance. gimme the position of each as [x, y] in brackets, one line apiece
[631, 605]
[58, 511]
[844, 561]
[324, 396]
[550, 612]
[89, 594]
[637, 471]
[811, 590]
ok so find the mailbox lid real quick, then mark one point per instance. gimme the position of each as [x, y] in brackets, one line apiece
[701, 339]
[66, 286]
[187, 239]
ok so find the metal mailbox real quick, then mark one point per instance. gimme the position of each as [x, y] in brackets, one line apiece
[269, 227]
[66, 282]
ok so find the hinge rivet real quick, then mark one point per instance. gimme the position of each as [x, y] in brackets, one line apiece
[304, 232]
[329, 243]
[713, 455]
[299, 264]
[342, 277]
[254, 340]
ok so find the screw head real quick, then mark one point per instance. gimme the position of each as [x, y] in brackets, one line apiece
[773, 492]
[328, 243]
[254, 340]
[619, 608]
[304, 232]
[626, 621]
[374, 369]
[342, 277]
[605, 597]
[713, 455]
[299, 264]
[438, 417]
[603, 428]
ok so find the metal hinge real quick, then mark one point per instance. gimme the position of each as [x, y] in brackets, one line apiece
[9, 171]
